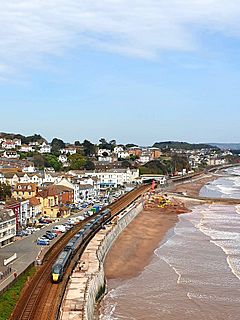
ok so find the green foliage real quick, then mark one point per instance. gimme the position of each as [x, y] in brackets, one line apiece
[5, 191]
[182, 145]
[89, 148]
[57, 144]
[130, 145]
[77, 143]
[77, 162]
[166, 166]
[89, 165]
[52, 161]
[153, 167]
[9, 298]
[25, 139]
[107, 145]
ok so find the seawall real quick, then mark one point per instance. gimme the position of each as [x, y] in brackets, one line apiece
[87, 283]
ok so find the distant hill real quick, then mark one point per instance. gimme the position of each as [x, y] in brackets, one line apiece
[183, 145]
[25, 139]
[226, 146]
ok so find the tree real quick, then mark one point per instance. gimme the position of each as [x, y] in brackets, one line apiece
[104, 154]
[5, 191]
[57, 144]
[89, 148]
[52, 161]
[38, 161]
[107, 145]
[77, 143]
[89, 165]
[77, 161]
[130, 145]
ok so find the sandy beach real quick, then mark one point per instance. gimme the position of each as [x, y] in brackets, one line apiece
[134, 248]
[192, 188]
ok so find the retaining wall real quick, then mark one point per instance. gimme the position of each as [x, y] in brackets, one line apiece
[87, 283]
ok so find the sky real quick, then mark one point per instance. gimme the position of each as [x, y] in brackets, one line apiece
[137, 71]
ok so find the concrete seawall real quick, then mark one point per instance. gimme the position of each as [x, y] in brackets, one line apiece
[87, 283]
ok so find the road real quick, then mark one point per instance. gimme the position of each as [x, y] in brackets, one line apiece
[27, 250]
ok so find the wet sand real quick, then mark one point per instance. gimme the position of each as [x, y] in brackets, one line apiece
[134, 248]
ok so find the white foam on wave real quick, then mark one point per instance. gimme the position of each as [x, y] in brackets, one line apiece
[211, 297]
[212, 224]
[175, 270]
[237, 209]
[233, 263]
[109, 311]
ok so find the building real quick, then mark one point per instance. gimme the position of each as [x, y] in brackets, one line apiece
[69, 150]
[45, 148]
[135, 151]
[115, 177]
[24, 216]
[55, 200]
[10, 155]
[7, 226]
[26, 148]
[8, 145]
[14, 205]
[35, 210]
[155, 153]
[63, 158]
[24, 190]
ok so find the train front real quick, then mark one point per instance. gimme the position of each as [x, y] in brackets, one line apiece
[56, 273]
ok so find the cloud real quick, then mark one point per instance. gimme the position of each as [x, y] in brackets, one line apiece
[31, 30]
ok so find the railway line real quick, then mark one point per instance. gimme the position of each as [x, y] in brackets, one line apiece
[40, 298]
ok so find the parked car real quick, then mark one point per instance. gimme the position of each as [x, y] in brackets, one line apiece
[20, 234]
[49, 236]
[80, 218]
[59, 229]
[72, 221]
[67, 226]
[52, 233]
[43, 242]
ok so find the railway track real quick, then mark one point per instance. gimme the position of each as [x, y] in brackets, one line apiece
[40, 299]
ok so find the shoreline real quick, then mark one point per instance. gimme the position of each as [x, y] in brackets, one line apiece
[132, 251]
[134, 248]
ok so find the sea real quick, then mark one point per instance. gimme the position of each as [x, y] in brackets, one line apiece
[195, 272]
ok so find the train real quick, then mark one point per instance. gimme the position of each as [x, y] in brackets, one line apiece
[64, 258]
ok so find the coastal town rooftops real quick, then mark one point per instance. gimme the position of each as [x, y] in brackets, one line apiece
[85, 186]
[53, 190]
[34, 202]
[25, 187]
[6, 214]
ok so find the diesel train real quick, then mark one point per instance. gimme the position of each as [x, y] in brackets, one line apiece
[74, 244]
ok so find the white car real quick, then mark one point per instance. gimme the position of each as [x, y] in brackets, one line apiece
[59, 229]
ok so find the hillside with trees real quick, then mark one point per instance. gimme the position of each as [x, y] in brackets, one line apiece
[183, 145]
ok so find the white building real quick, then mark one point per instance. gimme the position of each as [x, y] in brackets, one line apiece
[24, 214]
[69, 150]
[115, 177]
[45, 148]
[26, 148]
[105, 151]
[17, 142]
[29, 168]
[118, 149]
[123, 155]
[10, 155]
[7, 226]
[63, 158]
